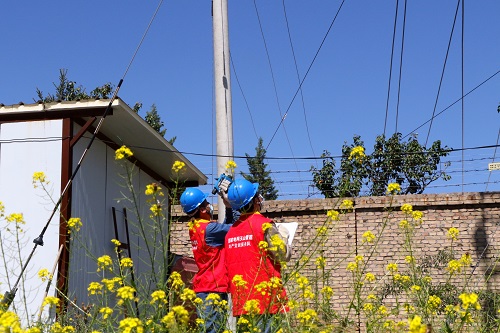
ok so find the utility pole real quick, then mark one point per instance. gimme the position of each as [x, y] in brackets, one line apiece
[222, 77]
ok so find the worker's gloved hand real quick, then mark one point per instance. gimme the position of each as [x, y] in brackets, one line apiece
[224, 185]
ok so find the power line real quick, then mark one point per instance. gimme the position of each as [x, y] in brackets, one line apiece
[307, 72]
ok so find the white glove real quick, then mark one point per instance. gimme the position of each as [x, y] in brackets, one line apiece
[224, 185]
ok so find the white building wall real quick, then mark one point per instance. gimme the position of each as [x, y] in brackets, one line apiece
[26, 148]
[98, 187]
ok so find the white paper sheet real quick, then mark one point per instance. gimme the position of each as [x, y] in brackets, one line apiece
[292, 228]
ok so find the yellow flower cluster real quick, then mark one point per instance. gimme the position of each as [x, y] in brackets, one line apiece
[452, 233]
[252, 306]
[152, 189]
[95, 288]
[106, 312]
[123, 152]
[129, 324]
[110, 283]
[178, 166]
[74, 224]
[116, 242]
[39, 177]
[230, 166]
[357, 153]
[190, 295]
[177, 316]
[239, 282]
[155, 209]
[50, 300]
[333, 215]
[368, 237]
[392, 268]
[320, 262]
[16, 218]
[370, 277]
[125, 293]
[158, 296]
[266, 226]
[393, 188]
[44, 274]
[346, 204]
[175, 281]
[126, 262]
[470, 300]
[407, 208]
[416, 326]
[103, 262]
[307, 317]
[433, 302]
[327, 292]
[58, 328]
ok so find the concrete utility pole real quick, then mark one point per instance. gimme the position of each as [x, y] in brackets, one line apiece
[223, 111]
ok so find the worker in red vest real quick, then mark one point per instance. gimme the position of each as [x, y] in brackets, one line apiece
[254, 247]
[207, 239]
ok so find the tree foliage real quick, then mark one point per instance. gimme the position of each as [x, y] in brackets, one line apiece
[259, 173]
[409, 164]
[67, 90]
[154, 120]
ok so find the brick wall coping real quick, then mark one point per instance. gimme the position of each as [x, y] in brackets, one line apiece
[419, 201]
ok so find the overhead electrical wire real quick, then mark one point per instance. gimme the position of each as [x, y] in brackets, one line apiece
[455, 102]
[400, 66]
[390, 66]
[273, 79]
[244, 97]
[307, 72]
[442, 72]
[298, 77]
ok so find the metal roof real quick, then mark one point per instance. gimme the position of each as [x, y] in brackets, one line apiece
[123, 126]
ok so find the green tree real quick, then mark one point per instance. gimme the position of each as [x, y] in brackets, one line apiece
[409, 164]
[260, 174]
[67, 90]
[154, 120]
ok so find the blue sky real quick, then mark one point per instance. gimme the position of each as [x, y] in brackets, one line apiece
[344, 93]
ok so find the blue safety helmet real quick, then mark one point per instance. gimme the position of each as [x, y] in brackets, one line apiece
[191, 199]
[241, 192]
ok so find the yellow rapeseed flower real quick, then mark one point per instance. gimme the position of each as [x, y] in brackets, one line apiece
[230, 166]
[370, 277]
[153, 188]
[158, 296]
[407, 208]
[16, 218]
[266, 226]
[44, 274]
[104, 262]
[368, 237]
[50, 300]
[453, 233]
[155, 209]
[333, 215]
[357, 153]
[74, 224]
[469, 300]
[392, 267]
[129, 324]
[178, 166]
[178, 315]
[123, 152]
[416, 325]
[252, 306]
[94, 288]
[175, 280]
[307, 317]
[116, 242]
[320, 262]
[106, 312]
[393, 188]
[346, 204]
[327, 292]
[39, 177]
[126, 262]
[189, 295]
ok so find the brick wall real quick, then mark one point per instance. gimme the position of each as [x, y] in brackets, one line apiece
[476, 215]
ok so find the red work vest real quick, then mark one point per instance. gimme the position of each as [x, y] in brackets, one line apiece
[244, 258]
[212, 274]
